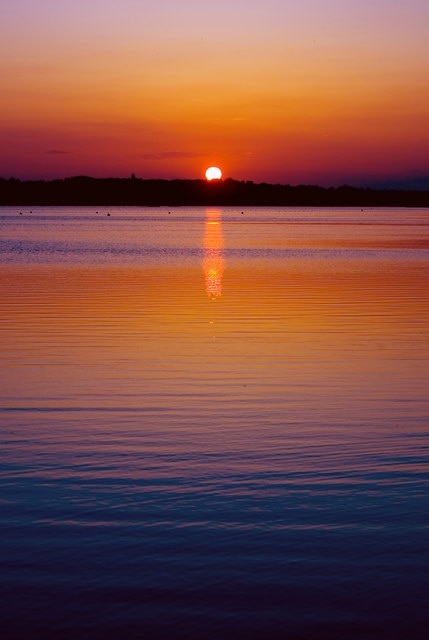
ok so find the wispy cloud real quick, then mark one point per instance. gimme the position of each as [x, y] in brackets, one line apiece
[168, 155]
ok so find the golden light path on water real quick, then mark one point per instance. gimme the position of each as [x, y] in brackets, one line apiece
[213, 253]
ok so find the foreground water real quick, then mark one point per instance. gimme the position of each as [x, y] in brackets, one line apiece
[214, 423]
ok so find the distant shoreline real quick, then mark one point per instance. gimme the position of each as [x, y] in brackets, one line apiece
[84, 190]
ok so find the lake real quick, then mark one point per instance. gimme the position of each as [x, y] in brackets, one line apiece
[214, 423]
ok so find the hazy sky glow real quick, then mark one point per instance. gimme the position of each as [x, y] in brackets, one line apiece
[320, 91]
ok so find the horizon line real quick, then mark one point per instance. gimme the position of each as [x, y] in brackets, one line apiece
[392, 184]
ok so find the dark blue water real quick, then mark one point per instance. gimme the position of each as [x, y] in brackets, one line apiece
[214, 427]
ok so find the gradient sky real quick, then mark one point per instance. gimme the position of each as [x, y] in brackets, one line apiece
[316, 91]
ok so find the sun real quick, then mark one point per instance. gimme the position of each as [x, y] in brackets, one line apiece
[213, 173]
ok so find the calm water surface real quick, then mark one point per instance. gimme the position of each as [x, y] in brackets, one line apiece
[214, 423]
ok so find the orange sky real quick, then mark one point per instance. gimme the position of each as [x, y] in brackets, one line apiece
[326, 92]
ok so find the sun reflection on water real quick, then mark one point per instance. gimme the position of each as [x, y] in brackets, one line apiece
[213, 257]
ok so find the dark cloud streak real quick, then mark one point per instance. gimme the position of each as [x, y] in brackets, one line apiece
[168, 155]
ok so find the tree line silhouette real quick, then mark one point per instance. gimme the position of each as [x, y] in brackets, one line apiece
[84, 190]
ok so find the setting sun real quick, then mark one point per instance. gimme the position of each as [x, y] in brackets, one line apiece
[213, 173]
